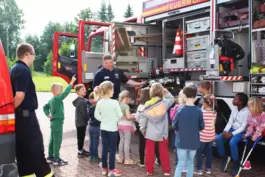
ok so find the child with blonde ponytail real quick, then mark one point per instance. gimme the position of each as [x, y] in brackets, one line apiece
[108, 112]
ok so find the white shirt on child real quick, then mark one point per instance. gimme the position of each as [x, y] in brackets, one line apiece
[237, 121]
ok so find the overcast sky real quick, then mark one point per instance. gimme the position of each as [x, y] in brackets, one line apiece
[38, 13]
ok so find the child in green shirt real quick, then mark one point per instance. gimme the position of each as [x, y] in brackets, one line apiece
[54, 109]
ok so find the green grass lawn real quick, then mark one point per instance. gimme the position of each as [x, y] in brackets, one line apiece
[43, 82]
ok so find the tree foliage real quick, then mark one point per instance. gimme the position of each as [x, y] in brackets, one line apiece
[48, 64]
[85, 14]
[110, 14]
[102, 13]
[129, 12]
[34, 41]
[11, 22]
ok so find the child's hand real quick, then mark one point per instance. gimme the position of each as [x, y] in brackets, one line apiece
[73, 80]
[227, 135]
[254, 139]
[49, 117]
[165, 91]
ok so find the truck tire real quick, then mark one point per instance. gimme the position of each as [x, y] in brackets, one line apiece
[8, 170]
[223, 114]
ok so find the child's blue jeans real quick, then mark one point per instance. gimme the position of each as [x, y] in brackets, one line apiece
[94, 133]
[232, 143]
[206, 148]
[185, 157]
[109, 142]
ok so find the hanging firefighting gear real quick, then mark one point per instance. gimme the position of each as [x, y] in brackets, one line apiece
[229, 54]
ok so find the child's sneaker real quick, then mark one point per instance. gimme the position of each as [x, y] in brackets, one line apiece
[149, 174]
[82, 154]
[91, 159]
[50, 160]
[115, 172]
[185, 169]
[141, 165]
[208, 171]
[104, 171]
[97, 159]
[157, 162]
[199, 172]
[247, 165]
[129, 162]
[166, 174]
[119, 159]
[59, 161]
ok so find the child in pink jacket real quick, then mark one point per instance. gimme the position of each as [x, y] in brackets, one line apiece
[256, 122]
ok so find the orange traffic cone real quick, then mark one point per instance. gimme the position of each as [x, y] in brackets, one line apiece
[178, 51]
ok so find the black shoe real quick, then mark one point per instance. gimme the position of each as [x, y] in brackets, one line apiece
[50, 160]
[86, 152]
[82, 154]
[225, 163]
[59, 162]
[236, 166]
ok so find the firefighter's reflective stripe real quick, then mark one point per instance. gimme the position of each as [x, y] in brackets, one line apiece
[32, 175]
[49, 175]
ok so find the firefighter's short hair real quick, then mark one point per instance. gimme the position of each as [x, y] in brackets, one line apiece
[106, 57]
[23, 49]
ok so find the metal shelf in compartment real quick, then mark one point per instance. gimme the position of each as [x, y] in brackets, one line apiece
[239, 28]
[259, 94]
[257, 84]
[258, 30]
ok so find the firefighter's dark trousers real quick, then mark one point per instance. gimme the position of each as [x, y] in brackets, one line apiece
[29, 146]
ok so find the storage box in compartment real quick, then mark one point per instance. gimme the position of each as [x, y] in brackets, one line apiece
[197, 64]
[173, 63]
[198, 25]
[196, 55]
[198, 43]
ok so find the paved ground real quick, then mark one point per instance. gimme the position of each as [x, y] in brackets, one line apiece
[82, 168]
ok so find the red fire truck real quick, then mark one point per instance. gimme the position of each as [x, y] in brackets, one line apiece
[7, 121]
[177, 42]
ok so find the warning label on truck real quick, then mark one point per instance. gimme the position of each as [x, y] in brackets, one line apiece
[157, 7]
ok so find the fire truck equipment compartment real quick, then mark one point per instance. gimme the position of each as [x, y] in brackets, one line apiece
[197, 55]
[198, 25]
[198, 43]
[232, 18]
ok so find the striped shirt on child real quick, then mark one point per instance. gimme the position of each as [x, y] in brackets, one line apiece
[208, 133]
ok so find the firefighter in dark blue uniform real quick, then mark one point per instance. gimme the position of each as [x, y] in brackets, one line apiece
[29, 141]
[116, 76]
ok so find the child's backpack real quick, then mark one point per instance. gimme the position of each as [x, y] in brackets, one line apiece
[173, 112]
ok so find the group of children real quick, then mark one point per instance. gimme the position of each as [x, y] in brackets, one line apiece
[193, 127]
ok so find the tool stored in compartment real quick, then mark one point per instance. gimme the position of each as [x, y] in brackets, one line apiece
[234, 17]
[230, 53]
